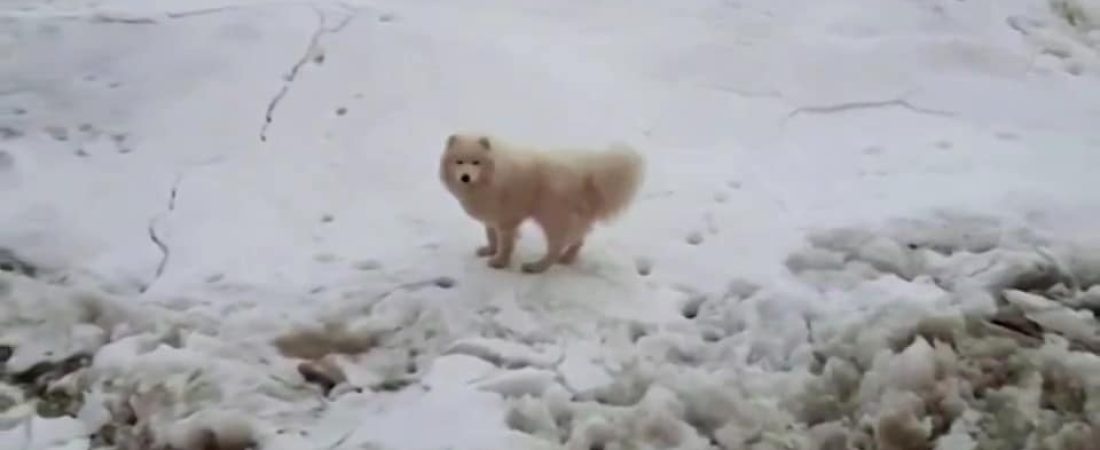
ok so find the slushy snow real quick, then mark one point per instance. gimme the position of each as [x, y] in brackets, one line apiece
[865, 224]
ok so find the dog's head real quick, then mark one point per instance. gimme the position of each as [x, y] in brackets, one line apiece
[467, 162]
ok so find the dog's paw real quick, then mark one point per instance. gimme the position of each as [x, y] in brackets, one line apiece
[485, 250]
[534, 267]
[498, 263]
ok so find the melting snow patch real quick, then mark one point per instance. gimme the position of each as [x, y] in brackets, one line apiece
[922, 370]
[884, 350]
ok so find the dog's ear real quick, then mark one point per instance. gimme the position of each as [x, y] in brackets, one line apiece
[451, 140]
[484, 141]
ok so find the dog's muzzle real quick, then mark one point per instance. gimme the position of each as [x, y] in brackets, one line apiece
[464, 178]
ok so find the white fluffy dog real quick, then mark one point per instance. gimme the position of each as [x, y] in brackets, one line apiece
[564, 191]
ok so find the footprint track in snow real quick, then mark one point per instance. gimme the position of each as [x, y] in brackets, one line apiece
[96, 79]
[87, 135]
[367, 265]
[694, 238]
[710, 225]
[873, 150]
[444, 282]
[722, 194]
[57, 133]
[643, 265]
[8, 133]
[690, 308]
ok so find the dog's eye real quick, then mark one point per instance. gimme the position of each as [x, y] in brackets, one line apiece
[475, 162]
[459, 162]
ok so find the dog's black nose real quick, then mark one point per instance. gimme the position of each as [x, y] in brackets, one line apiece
[465, 178]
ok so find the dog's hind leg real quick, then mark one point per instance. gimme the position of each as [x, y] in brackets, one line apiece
[554, 248]
[570, 254]
[491, 249]
[557, 239]
[576, 239]
[506, 244]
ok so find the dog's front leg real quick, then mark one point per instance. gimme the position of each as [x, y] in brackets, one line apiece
[506, 243]
[491, 249]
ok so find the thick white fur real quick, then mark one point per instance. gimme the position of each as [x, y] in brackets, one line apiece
[564, 191]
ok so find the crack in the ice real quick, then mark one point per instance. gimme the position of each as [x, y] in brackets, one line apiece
[201, 12]
[123, 19]
[311, 48]
[165, 252]
[126, 20]
[897, 102]
[745, 93]
[872, 104]
[170, 206]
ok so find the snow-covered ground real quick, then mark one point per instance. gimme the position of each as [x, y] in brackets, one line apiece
[866, 224]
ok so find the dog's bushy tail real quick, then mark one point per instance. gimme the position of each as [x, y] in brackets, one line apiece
[615, 176]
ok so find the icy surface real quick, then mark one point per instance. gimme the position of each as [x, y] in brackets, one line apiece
[866, 224]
